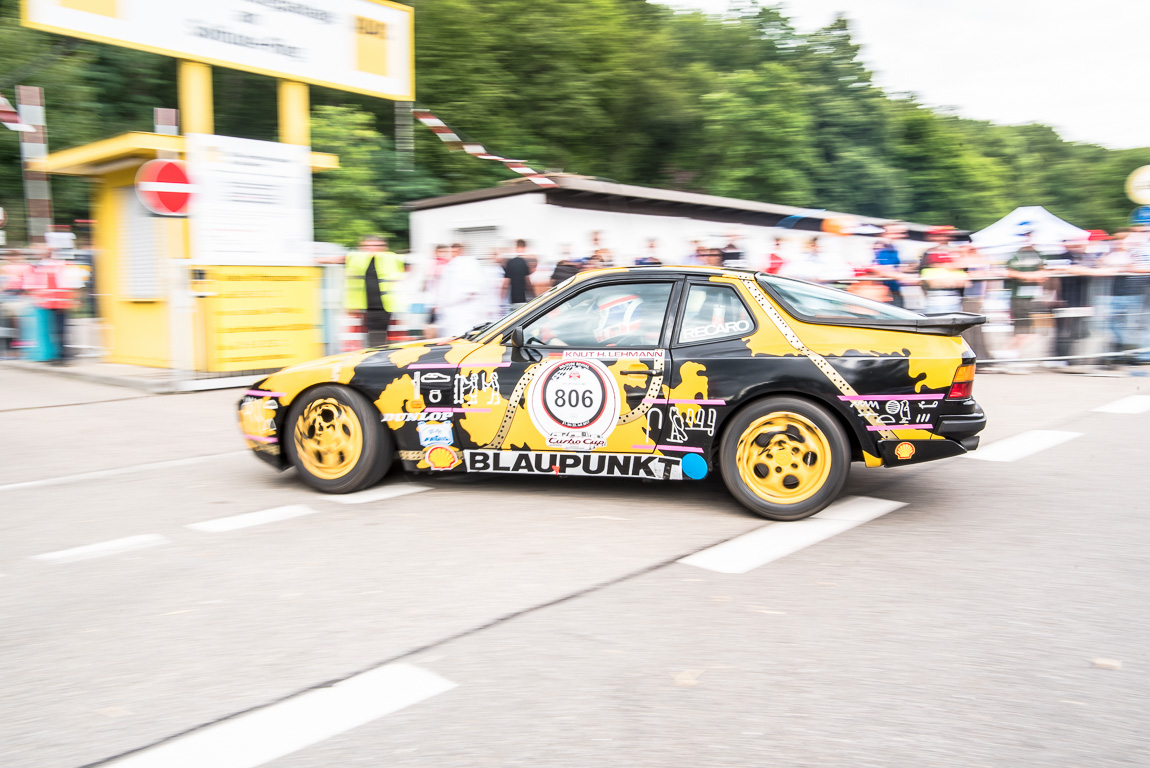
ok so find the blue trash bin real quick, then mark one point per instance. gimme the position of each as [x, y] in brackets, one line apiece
[36, 333]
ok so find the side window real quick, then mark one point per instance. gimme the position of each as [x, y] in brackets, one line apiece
[615, 315]
[714, 312]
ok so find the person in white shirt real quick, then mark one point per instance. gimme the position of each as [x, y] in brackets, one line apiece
[460, 299]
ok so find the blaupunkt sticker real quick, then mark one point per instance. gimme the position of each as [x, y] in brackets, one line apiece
[584, 464]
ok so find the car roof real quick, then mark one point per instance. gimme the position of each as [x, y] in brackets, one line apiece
[665, 271]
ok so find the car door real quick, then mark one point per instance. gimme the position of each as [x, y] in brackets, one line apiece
[586, 376]
[712, 363]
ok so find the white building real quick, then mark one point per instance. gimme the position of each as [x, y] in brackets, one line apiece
[559, 221]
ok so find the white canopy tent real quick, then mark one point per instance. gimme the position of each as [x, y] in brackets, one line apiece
[1046, 231]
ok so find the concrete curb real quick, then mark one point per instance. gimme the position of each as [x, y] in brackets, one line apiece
[142, 385]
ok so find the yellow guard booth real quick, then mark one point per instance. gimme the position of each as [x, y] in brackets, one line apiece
[160, 309]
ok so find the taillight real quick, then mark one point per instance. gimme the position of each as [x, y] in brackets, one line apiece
[963, 383]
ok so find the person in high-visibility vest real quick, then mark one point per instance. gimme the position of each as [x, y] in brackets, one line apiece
[373, 274]
[53, 283]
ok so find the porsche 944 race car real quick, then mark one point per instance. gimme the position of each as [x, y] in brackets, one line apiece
[660, 373]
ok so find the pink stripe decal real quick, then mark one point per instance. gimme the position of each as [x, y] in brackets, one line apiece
[261, 393]
[681, 448]
[259, 439]
[891, 397]
[660, 401]
[454, 366]
[899, 426]
[459, 410]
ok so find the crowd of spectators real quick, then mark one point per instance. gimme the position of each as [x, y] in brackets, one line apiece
[1083, 299]
[1054, 295]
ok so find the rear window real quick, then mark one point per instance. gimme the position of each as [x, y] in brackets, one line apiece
[808, 300]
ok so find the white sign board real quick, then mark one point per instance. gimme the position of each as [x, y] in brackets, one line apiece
[251, 201]
[363, 46]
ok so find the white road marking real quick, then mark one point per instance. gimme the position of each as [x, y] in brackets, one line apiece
[777, 540]
[1022, 445]
[266, 734]
[1132, 404]
[376, 494]
[275, 514]
[103, 549]
[118, 471]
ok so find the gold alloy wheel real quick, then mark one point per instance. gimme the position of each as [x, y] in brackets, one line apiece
[328, 438]
[783, 458]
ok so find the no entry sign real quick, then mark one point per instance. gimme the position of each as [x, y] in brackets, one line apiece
[163, 187]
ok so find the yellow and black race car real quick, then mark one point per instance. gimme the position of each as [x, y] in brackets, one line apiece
[650, 372]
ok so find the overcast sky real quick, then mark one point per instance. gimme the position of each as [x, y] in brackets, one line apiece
[1081, 66]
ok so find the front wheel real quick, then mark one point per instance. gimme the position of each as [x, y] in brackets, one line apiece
[784, 458]
[336, 441]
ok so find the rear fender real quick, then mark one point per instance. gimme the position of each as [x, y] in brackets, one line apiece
[860, 439]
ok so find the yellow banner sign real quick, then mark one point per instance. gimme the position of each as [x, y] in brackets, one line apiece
[363, 46]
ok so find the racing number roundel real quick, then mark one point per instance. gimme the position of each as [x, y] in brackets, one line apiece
[574, 404]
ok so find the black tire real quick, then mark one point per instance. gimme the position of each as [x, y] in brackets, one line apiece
[345, 447]
[784, 458]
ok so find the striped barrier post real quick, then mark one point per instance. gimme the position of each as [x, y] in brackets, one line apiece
[33, 147]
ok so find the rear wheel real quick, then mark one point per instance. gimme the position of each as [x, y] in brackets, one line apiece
[784, 458]
[336, 441]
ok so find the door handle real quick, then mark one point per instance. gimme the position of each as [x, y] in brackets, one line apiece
[647, 372]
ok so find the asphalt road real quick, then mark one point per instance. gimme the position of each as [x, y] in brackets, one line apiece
[998, 617]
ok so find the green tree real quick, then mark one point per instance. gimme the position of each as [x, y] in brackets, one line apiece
[740, 104]
[349, 202]
[71, 109]
[758, 141]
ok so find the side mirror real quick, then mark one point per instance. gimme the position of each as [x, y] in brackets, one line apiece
[517, 337]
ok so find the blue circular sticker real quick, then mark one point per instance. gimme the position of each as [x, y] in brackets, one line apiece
[694, 466]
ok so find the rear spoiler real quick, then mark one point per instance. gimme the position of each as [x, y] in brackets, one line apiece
[942, 324]
[948, 323]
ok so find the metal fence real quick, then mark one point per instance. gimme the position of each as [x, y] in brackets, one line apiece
[1071, 320]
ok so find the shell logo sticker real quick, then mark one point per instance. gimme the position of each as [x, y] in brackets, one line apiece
[904, 450]
[574, 404]
[441, 457]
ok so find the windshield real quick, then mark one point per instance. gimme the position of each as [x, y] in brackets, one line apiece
[804, 299]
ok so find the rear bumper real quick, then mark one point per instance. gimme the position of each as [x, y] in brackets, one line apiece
[962, 426]
[960, 432]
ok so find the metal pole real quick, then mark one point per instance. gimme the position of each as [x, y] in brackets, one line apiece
[404, 138]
